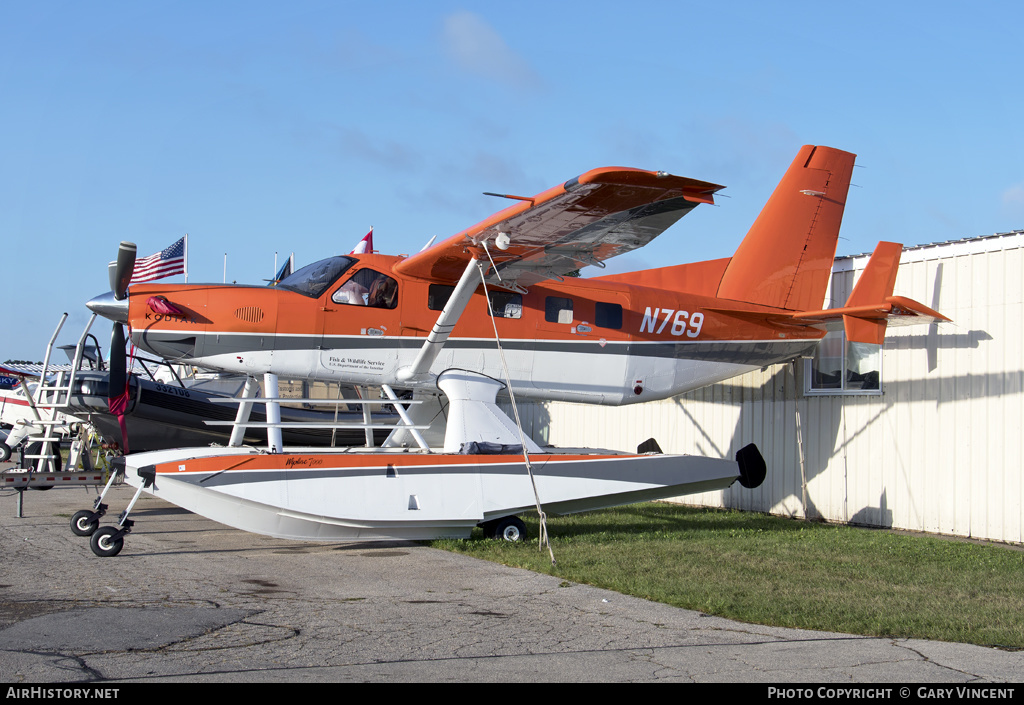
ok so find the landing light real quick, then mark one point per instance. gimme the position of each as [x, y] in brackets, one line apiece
[502, 241]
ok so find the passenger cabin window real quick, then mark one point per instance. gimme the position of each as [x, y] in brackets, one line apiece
[368, 288]
[608, 315]
[557, 310]
[438, 295]
[506, 304]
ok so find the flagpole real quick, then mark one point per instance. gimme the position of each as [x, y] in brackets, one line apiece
[186, 258]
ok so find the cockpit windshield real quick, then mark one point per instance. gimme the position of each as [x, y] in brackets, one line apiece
[313, 279]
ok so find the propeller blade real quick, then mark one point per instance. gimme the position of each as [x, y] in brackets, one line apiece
[120, 271]
[118, 377]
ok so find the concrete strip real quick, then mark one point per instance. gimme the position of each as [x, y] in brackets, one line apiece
[191, 600]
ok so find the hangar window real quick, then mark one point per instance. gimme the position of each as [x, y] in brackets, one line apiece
[842, 367]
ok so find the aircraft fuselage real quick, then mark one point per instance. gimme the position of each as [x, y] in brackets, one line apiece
[583, 340]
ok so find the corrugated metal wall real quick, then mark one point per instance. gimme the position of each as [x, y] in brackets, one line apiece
[939, 450]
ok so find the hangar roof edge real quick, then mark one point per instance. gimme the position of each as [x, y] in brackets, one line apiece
[950, 248]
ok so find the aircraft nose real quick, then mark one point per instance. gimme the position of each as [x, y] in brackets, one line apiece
[109, 307]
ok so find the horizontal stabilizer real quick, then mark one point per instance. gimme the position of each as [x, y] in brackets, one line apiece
[866, 324]
[871, 306]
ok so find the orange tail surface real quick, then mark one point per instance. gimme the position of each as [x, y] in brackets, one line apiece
[871, 306]
[786, 258]
[872, 289]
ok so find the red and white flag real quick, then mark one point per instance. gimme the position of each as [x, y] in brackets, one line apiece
[365, 246]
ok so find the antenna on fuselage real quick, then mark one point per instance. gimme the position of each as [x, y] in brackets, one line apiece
[531, 199]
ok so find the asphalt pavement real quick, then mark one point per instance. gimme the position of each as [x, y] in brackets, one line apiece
[189, 600]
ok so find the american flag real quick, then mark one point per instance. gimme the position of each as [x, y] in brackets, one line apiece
[163, 264]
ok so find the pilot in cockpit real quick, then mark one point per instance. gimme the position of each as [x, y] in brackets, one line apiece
[368, 288]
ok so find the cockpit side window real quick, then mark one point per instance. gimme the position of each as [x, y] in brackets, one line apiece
[368, 288]
[314, 279]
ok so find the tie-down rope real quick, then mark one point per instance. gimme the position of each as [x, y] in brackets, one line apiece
[542, 539]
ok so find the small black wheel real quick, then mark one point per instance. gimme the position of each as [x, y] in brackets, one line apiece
[84, 523]
[105, 543]
[509, 529]
[5, 452]
[40, 464]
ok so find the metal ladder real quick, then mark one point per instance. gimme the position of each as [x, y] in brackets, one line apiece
[53, 397]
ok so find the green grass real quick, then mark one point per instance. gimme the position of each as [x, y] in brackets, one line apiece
[768, 570]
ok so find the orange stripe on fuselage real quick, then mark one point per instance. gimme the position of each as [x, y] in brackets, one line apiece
[354, 460]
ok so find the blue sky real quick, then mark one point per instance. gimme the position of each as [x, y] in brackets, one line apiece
[260, 127]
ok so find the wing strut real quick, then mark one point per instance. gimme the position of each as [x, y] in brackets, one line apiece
[443, 326]
[435, 341]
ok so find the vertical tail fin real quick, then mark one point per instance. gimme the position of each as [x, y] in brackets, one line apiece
[873, 289]
[786, 258]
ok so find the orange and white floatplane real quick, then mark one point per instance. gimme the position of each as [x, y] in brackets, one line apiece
[491, 311]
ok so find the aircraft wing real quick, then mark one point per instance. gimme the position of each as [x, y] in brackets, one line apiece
[20, 370]
[585, 221]
[32, 370]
